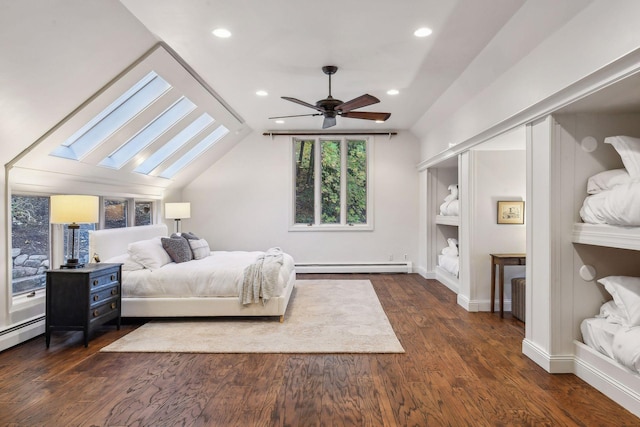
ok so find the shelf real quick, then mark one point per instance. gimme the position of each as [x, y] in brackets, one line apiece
[612, 236]
[448, 220]
[447, 279]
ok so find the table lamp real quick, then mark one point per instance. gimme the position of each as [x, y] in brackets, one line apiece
[73, 210]
[177, 211]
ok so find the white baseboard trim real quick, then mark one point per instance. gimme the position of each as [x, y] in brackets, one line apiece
[605, 375]
[15, 335]
[554, 364]
[447, 279]
[424, 273]
[359, 267]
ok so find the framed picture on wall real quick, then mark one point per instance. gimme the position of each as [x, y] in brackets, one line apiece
[510, 212]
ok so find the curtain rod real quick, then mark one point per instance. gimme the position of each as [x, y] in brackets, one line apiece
[316, 133]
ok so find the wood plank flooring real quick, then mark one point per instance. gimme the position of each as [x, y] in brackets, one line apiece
[459, 369]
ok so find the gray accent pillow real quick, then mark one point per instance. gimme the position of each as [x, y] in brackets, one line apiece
[178, 249]
[190, 236]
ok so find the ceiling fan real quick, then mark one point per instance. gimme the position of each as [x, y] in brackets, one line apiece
[330, 107]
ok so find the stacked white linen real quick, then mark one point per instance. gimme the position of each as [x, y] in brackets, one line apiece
[614, 195]
[615, 331]
[448, 259]
[451, 205]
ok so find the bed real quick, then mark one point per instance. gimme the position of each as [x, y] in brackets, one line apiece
[180, 289]
[614, 195]
[615, 330]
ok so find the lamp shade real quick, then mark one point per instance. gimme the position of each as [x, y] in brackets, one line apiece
[177, 210]
[67, 209]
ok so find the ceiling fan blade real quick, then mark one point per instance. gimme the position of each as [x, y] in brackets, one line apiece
[296, 115]
[367, 115]
[359, 102]
[328, 122]
[306, 104]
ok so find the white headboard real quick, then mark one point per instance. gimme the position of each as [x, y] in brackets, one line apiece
[114, 241]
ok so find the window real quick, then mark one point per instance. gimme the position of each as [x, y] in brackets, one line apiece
[29, 242]
[115, 213]
[144, 213]
[331, 184]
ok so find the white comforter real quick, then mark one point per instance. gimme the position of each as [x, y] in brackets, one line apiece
[218, 275]
[619, 205]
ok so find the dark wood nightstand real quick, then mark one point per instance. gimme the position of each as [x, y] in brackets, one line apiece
[82, 299]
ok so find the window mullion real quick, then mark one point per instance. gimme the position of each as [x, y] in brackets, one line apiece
[317, 200]
[343, 181]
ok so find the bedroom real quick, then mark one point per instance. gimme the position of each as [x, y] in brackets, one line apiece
[458, 117]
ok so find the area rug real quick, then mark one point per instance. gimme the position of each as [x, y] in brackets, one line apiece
[324, 316]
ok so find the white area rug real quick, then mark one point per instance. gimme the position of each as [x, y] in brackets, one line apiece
[324, 316]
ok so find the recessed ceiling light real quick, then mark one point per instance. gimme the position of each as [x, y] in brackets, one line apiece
[393, 92]
[262, 93]
[422, 32]
[222, 33]
[279, 122]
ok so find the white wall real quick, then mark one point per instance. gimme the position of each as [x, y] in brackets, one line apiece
[496, 175]
[243, 203]
[596, 36]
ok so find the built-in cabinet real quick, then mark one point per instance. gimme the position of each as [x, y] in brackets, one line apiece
[441, 228]
[564, 151]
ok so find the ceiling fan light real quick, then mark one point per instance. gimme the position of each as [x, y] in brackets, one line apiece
[379, 121]
[262, 93]
[422, 32]
[280, 122]
[223, 33]
[393, 92]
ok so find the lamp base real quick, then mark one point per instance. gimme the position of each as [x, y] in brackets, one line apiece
[72, 263]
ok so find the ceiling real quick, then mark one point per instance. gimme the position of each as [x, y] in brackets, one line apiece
[280, 46]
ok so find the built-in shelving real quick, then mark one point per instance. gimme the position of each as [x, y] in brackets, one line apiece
[448, 220]
[606, 235]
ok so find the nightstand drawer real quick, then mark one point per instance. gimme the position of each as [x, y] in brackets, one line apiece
[101, 311]
[110, 278]
[100, 296]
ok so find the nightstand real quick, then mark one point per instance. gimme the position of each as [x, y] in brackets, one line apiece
[82, 299]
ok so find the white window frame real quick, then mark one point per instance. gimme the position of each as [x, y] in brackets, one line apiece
[317, 225]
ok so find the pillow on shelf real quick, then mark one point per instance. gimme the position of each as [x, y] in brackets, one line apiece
[149, 253]
[178, 248]
[629, 150]
[607, 180]
[128, 264]
[625, 291]
[199, 248]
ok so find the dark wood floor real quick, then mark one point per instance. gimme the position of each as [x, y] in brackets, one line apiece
[459, 369]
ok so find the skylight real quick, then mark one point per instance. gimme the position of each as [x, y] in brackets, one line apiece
[149, 133]
[112, 118]
[200, 148]
[174, 144]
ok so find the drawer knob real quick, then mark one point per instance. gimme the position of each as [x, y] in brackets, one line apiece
[95, 282]
[113, 277]
[114, 291]
[113, 305]
[96, 297]
[96, 313]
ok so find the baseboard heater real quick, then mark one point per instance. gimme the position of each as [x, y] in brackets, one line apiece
[357, 267]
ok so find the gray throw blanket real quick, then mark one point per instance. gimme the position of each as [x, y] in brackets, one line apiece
[261, 277]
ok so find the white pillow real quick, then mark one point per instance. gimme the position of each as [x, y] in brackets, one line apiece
[629, 150]
[607, 180]
[200, 248]
[625, 291]
[128, 264]
[149, 253]
[610, 311]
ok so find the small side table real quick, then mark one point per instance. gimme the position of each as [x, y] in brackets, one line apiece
[82, 299]
[501, 260]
